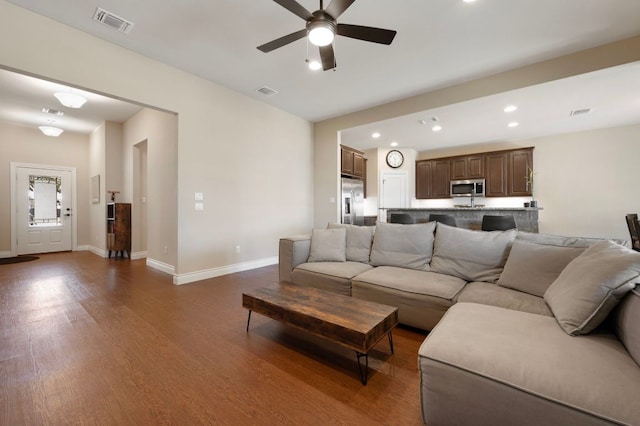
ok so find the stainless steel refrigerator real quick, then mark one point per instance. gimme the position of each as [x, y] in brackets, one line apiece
[352, 201]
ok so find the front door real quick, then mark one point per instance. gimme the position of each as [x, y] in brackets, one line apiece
[43, 209]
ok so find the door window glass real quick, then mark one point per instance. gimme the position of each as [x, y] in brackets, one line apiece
[45, 197]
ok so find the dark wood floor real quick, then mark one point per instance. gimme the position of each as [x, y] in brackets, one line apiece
[86, 340]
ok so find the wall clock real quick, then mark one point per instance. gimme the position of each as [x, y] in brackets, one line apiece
[395, 158]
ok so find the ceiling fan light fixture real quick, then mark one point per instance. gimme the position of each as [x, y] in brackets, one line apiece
[321, 33]
[51, 131]
[71, 100]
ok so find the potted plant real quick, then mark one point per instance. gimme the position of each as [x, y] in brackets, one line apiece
[530, 184]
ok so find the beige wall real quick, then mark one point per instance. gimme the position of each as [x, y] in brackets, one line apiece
[157, 131]
[97, 212]
[253, 162]
[28, 145]
[327, 132]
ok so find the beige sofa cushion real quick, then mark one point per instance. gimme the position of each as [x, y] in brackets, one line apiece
[359, 239]
[330, 276]
[471, 255]
[485, 365]
[494, 295]
[328, 245]
[627, 323]
[404, 246]
[532, 267]
[592, 285]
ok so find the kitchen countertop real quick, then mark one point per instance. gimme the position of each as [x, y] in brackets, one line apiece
[467, 208]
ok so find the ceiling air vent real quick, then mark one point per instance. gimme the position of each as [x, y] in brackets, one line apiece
[580, 112]
[113, 21]
[267, 91]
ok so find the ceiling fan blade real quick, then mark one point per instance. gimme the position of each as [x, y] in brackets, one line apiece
[296, 8]
[337, 7]
[282, 41]
[374, 35]
[328, 58]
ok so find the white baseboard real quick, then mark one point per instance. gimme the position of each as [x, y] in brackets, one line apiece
[138, 255]
[162, 267]
[83, 248]
[5, 254]
[190, 277]
[100, 252]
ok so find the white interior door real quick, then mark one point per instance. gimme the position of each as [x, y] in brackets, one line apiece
[43, 202]
[393, 192]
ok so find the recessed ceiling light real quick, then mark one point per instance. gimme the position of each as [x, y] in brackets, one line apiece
[436, 128]
[513, 124]
[423, 122]
[510, 108]
[375, 135]
[469, 1]
[314, 65]
[394, 144]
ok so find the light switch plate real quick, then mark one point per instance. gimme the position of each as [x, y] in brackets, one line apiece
[199, 196]
[199, 207]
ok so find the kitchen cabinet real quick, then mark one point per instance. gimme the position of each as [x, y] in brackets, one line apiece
[433, 178]
[505, 173]
[467, 167]
[352, 162]
[119, 229]
[496, 174]
[520, 163]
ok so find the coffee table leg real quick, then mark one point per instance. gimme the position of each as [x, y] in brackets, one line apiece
[363, 374]
[248, 320]
[391, 341]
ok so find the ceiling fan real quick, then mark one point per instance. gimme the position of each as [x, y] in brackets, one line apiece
[322, 27]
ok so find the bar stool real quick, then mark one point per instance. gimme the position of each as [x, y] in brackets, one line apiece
[498, 223]
[447, 219]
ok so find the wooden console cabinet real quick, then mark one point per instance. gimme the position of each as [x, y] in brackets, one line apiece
[119, 229]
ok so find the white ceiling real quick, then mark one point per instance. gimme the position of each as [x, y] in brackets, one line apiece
[439, 43]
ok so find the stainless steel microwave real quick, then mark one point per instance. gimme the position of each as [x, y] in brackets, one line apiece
[467, 188]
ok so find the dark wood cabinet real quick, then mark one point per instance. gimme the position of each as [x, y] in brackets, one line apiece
[496, 174]
[520, 163]
[119, 229]
[423, 179]
[352, 162]
[467, 167]
[433, 178]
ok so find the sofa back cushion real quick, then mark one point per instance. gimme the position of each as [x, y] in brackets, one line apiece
[532, 267]
[471, 255]
[627, 323]
[328, 245]
[405, 246]
[359, 239]
[592, 285]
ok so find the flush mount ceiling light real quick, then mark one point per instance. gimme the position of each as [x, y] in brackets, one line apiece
[69, 99]
[51, 131]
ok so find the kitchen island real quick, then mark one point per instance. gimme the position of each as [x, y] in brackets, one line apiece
[471, 217]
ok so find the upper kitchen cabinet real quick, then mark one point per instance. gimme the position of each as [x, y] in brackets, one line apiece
[507, 171]
[352, 162]
[433, 178]
[467, 167]
[520, 163]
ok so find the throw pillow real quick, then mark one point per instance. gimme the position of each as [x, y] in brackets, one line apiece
[405, 246]
[532, 268]
[328, 245]
[359, 239]
[592, 285]
[471, 255]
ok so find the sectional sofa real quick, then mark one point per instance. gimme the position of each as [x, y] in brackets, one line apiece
[526, 329]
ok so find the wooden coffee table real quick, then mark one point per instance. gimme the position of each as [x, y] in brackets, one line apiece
[353, 323]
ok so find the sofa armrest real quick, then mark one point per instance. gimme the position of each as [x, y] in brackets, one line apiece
[292, 252]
